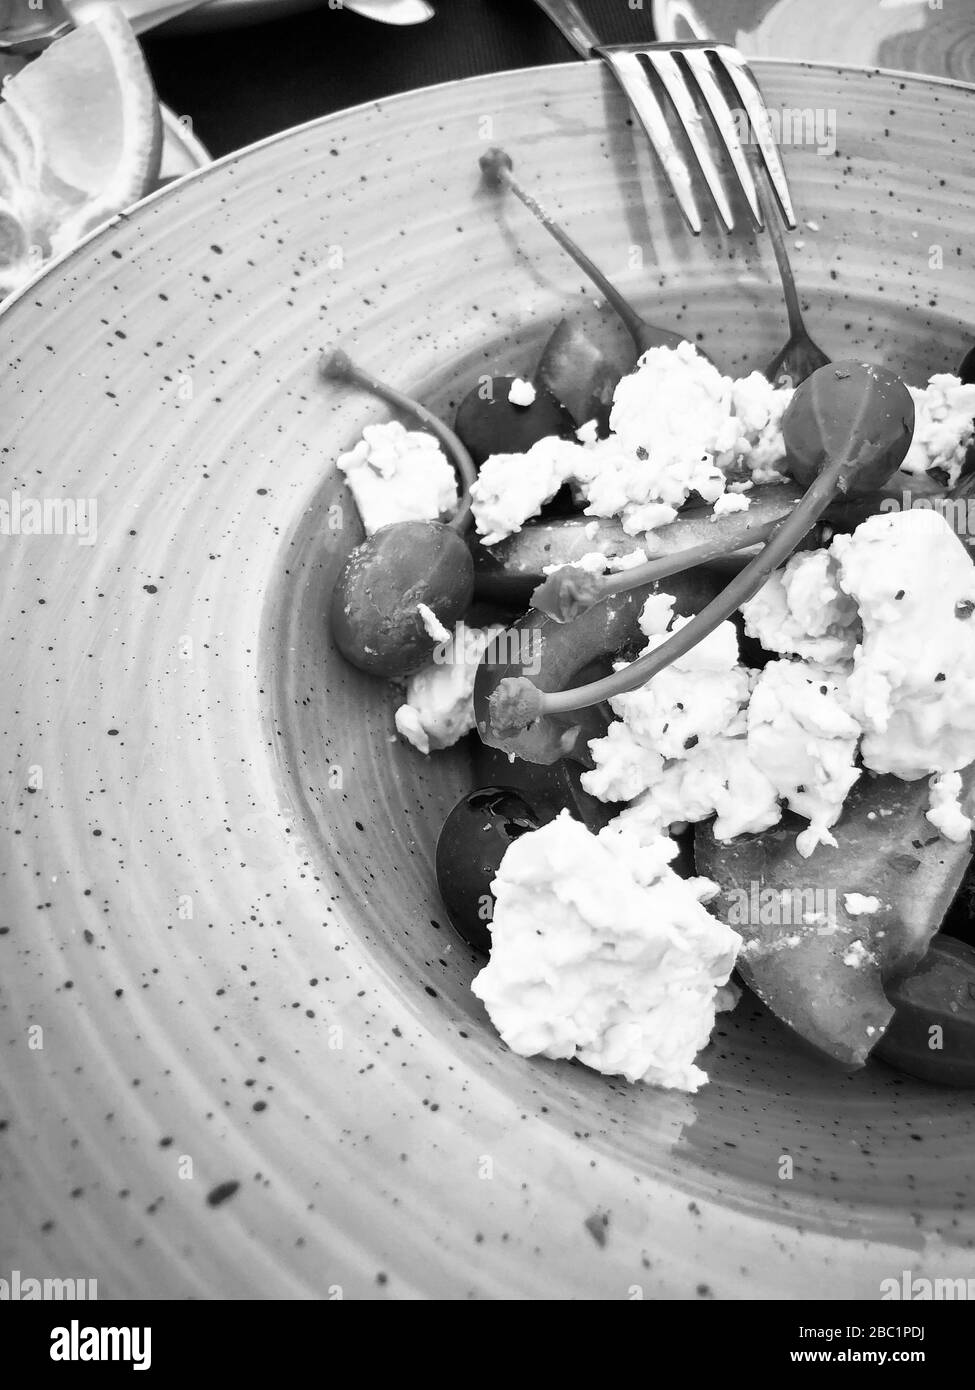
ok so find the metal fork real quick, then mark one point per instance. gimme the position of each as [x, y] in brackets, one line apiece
[686, 71]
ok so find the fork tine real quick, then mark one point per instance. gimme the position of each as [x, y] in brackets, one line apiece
[717, 103]
[757, 113]
[635, 82]
[664, 64]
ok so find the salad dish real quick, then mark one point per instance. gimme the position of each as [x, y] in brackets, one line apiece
[221, 894]
[763, 666]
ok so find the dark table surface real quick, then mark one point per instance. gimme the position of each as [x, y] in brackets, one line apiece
[237, 85]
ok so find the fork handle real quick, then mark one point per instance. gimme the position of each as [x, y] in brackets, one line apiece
[573, 25]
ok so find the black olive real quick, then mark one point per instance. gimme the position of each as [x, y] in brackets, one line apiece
[488, 423]
[967, 369]
[932, 1033]
[471, 846]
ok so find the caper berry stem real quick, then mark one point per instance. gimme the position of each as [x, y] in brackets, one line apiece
[513, 705]
[496, 166]
[571, 591]
[336, 365]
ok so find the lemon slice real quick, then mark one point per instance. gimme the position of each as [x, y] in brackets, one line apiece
[80, 139]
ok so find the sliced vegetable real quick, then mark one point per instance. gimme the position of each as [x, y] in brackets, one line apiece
[801, 954]
[583, 362]
[556, 653]
[932, 1033]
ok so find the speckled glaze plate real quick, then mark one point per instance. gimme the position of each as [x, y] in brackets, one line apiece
[903, 35]
[241, 1058]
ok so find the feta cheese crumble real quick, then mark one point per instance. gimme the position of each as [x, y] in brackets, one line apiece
[396, 474]
[434, 627]
[510, 488]
[801, 611]
[877, 636]
[759, 450]
[731, 502]
[595, 562]
[677, 426]
[945, 810]
[912, 687]
[679, 749]
[600, 951]
[857, 955]
[861, 904]
[943, 426]
[802, 736]
[439, 707]
[521, 392]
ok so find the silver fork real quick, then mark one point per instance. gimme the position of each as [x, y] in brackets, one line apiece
[684, 71]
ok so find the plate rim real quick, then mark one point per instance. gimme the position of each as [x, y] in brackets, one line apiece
[378, 103]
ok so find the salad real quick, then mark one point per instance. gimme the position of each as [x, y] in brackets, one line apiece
[713, 641]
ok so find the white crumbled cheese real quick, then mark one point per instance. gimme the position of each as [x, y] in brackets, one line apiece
[588, 433]
[945, 810]
[802, 736]
[613, 481]
[727, 997]
[700, 695]
[679, 744]
[877, 636]
[521, 392]
[716, 778]
[878, 643]
[673, 415]
[731, 502]
[397, 474]
[913, 683]
[432, 623]
[677, 427]
[439, 708]
[595, 562]
[600, 952]
[861, 904]
[943, 426]
[801, 611]
[758, 409]
[510, 488]
[857, 955]
[656, 615]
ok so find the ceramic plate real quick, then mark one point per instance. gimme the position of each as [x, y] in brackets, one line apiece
[241, 1057]
[902, 35]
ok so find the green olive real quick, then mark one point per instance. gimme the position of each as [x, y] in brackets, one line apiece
[375, 618]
